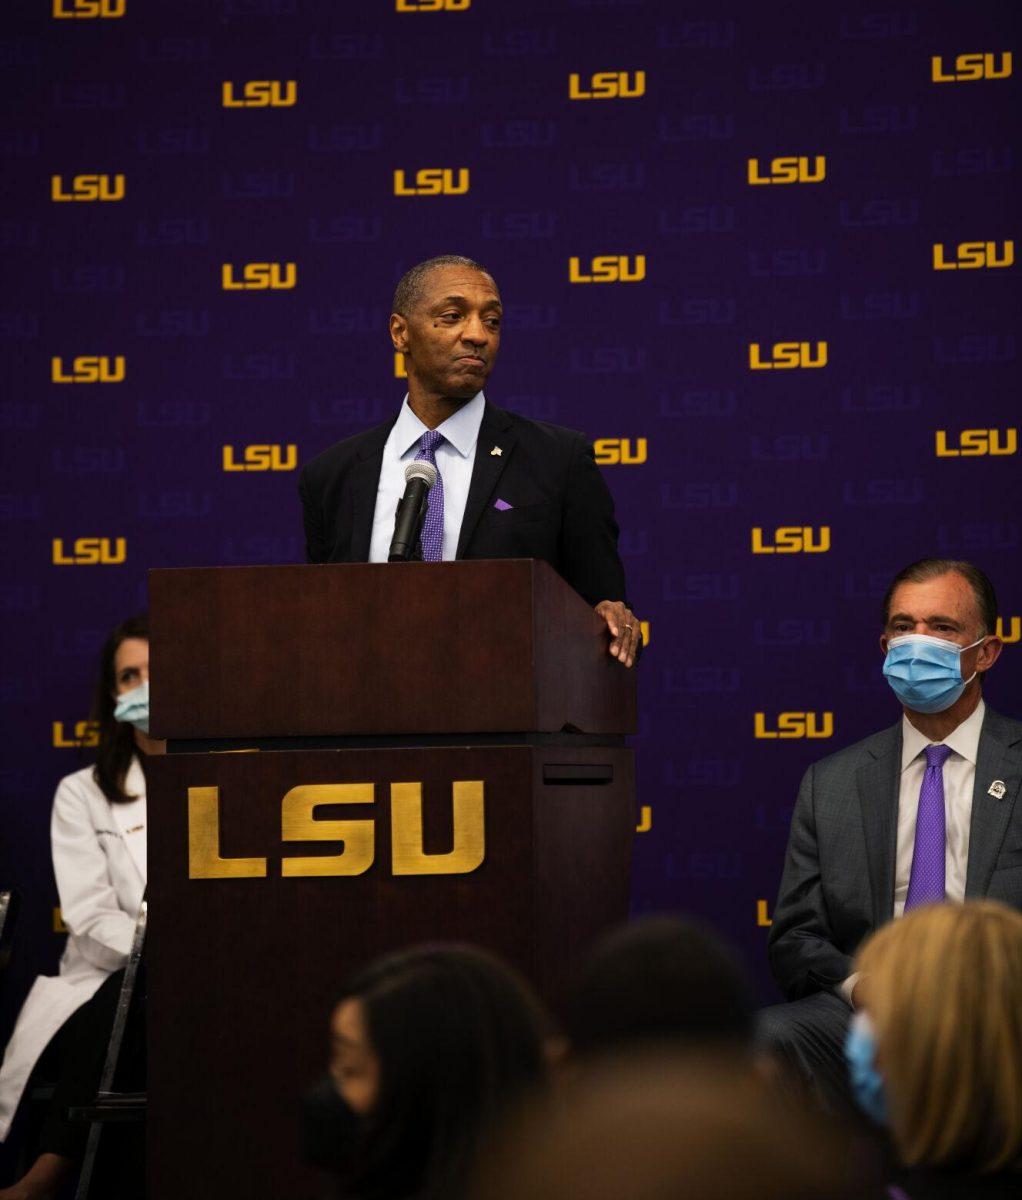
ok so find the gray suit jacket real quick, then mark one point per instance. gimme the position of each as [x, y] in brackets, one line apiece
[838, 881]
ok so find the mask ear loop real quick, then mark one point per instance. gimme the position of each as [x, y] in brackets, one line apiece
[983, 638]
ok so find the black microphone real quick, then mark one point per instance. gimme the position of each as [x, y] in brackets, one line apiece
[411, 510]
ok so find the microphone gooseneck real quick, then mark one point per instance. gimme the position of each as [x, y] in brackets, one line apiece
[420, 476]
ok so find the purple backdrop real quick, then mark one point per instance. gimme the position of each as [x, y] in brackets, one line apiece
[689, 178]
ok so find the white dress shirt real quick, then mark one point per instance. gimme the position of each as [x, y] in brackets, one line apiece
[959, 778]
[455, 458]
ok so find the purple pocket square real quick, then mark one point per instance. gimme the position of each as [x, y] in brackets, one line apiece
[502, 505]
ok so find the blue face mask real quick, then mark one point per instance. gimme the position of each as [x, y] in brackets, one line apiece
[926, 672]
[860, 1055]
[133, 707]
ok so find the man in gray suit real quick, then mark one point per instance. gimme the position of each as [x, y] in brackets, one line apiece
[920, 812]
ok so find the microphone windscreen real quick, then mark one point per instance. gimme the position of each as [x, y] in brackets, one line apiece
[419, 469]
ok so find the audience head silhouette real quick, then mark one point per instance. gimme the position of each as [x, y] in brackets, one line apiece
[429, 1047]
[943, 989]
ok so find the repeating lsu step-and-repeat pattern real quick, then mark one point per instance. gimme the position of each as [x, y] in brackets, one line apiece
[764, 255]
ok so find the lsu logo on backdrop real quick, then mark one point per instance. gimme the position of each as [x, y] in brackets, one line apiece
[792, 539]
[789, 170]
[972, 443]
[86, 733]
[1011, 631]
[87, 189]
[973, 256]
[357, 837]
[971, 66]
[85, 10]
[620, 451]
[91, 552]
[607, 85]
[400, 369]
[407, 6]
[259, 277]
[433, 181]
[261, 458]
[261, 93]
[787, 356]
[608, 268]
[86, 368]
[795, 725]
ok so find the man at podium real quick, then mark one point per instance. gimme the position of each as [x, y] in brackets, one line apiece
[505, 487]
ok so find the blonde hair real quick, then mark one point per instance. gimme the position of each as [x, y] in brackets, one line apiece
[943, 987]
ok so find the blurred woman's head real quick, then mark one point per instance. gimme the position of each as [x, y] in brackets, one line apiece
[123, 668]
[942, 988]
[661, 978]
[428, 1047]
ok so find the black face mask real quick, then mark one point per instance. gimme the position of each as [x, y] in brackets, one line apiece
[330, 1129]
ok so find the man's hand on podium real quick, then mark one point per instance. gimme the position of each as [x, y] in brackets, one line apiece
[626, 636]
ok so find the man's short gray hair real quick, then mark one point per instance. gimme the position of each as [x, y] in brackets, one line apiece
[409, 291]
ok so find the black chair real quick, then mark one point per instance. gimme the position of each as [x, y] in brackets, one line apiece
[10, 905]
[111, 1106]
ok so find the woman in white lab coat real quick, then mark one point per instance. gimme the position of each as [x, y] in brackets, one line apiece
[98, 834]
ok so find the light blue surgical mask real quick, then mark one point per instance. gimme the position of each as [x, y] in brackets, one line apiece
[926, 672]
[860, 1055]
[132, 707]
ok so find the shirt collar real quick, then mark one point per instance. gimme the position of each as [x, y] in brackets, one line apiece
[461, 429]
[963, 740]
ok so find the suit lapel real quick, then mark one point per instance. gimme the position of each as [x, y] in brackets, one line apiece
[364, 484]
[997, 760]
[496, 432]
[878, 782]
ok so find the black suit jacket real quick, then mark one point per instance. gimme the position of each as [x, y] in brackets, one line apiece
[561, 509]
[838, 882]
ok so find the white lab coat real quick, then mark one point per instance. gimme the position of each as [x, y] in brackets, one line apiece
[99, 860]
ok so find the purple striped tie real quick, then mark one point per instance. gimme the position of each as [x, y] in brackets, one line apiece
[926, 883]
[433, 525]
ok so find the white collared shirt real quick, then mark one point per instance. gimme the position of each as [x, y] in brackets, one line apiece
[959, 777]
[959, 780]
[455, 458]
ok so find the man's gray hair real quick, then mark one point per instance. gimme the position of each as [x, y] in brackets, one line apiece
[932, 568]
[409, 291]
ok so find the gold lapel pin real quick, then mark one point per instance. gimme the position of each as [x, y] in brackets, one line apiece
[495, 452]
[997, 789]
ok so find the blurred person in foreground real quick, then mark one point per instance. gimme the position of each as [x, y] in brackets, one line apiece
[429, 1049]
[924, 811]
[935, 1052]
[662, 979]
[98, 836]
[664, 1125]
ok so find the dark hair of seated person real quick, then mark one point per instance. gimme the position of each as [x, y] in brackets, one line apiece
[459, 1039]
[654, 979]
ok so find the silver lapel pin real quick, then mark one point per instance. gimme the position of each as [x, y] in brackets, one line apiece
[495, 452]
[997, 789]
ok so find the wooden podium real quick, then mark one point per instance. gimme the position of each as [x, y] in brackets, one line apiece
[434, 752]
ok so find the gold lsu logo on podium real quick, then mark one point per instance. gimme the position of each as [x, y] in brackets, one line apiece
[298, 823]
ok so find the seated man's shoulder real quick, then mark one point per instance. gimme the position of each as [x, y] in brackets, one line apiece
[851, 758]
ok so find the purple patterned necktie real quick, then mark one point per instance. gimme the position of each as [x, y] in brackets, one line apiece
[433, 525]
[926, 883]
